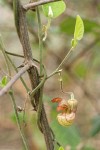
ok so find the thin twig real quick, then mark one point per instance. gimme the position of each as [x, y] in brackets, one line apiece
[18, 55]
[40, 39]
[63, 61]
[13, 54]
[35, 4]
[41, 118]
[23, 82]
[40, 84]
[14, 79]
[83, 52]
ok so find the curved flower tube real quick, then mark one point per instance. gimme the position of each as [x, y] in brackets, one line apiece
[66, 119]
[68, 109]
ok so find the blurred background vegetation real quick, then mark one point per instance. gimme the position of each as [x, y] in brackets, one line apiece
[81, 74]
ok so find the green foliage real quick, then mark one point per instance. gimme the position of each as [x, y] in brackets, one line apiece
[96, 126]
[54, 9]
[61, 148]
[66, 134]
[3, 82]
[79, 28]
[78, 32]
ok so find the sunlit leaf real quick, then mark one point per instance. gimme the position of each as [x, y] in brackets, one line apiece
[3, 82]
[61, 148]
[54, 9]
[79, 28]
[78, 32]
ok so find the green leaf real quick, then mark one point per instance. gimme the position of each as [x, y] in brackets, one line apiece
[54, 9]
[79, 28]
[61, 148]
[3, 82]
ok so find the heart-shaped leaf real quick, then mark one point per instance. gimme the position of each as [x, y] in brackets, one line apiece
[54, 9]
[61, 148]
[78, 32]
[79, 28]
[3, 82]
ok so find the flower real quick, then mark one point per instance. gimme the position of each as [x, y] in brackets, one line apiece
[68, 110]
[66, 119]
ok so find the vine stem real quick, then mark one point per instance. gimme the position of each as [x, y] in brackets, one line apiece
[44, 128]
[40, 39]
[41, 66]
[63, 61]
[40, 84]
[13, 54]
[23, 82]
[18, 121]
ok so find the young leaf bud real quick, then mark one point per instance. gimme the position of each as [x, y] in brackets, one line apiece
[72, 103]
[50, 13]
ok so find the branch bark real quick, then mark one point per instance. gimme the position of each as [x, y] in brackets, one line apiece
[14, 79]
[35, 4]
[21, 26]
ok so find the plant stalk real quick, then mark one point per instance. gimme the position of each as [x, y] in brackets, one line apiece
[60, 65]
[18, 121]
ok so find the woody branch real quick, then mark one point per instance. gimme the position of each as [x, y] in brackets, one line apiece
[35, 4]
